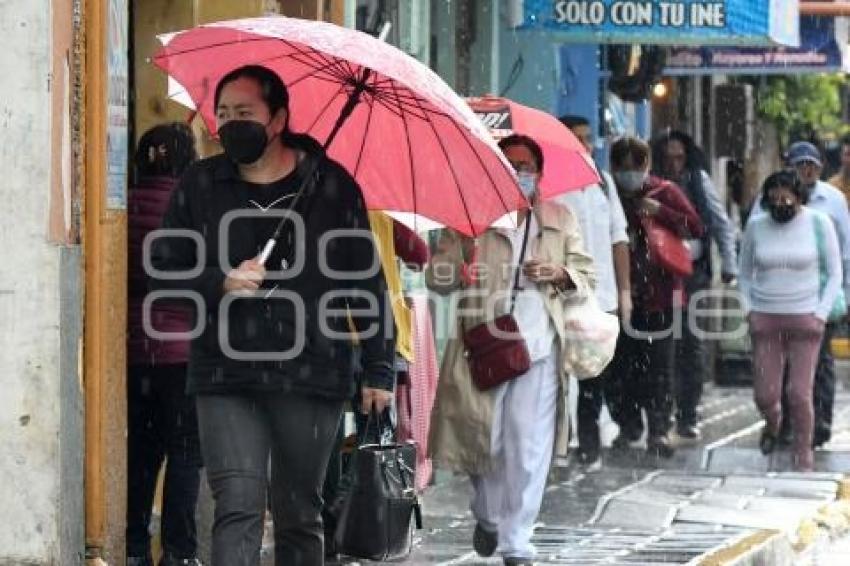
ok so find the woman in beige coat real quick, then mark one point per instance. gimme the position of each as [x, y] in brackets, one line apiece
[504, 438]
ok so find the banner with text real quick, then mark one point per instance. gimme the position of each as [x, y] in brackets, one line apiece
[823, 49]
[666, 22]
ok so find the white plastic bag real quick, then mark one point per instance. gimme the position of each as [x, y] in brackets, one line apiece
[591, 338]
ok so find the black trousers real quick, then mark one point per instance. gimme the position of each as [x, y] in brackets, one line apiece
[161, 423]
[239, 433]
[824, 392]
[591, 396]
[641, 373]
[691, 359]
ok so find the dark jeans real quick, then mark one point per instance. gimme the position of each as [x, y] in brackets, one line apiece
[161, 423]
[238, 434]
[691, 360]
[591, 396]
[640, 376]
[824, 390]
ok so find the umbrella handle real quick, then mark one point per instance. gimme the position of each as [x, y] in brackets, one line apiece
[267, 251]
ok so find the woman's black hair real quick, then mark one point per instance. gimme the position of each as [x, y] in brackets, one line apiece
[784, 179]
[274, 92]
[527, 142]
[694, 157]
[167, 149]
[630, 148]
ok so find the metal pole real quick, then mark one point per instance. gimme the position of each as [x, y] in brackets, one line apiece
[352, 102]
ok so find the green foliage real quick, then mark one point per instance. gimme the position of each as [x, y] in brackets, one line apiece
[800, 104]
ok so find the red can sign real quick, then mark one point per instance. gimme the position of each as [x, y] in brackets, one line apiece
[495, 116]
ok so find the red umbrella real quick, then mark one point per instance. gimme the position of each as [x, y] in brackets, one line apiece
[413, 145]
[566, 163]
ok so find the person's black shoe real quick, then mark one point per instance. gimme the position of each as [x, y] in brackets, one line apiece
[625, 439]
[518, 561]
[688, 432]
[821, 436]
[767, 442]
[330, 548]
[484, 542]
[589, 460]
[659, 445]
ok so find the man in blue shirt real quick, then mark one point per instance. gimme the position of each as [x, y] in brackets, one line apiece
[806, 160]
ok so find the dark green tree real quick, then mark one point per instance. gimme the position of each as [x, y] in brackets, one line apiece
[803, 106]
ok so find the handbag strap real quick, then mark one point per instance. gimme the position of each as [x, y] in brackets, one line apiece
[819, 242]
[606, 188]
[377, 419]
[515, 288]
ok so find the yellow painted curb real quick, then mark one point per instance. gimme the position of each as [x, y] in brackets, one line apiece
[729, 554]
[831, 518]
[844, 489]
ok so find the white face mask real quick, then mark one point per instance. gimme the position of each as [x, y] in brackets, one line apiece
[527, 183]
[630, 181]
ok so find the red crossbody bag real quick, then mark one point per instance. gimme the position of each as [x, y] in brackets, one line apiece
[495, 350]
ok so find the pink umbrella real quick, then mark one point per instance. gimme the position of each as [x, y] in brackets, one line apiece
[413, 145]
[566, 164]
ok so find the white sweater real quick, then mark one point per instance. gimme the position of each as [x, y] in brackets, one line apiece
[780, 268]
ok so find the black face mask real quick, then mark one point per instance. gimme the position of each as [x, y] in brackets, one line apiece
[244, 141]
[782, 213]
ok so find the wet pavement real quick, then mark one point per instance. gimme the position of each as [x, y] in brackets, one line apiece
[718, 493]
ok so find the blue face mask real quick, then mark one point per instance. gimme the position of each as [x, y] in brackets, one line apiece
[527, 183]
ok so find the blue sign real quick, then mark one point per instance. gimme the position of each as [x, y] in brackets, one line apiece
[820, 51]
[666, 22]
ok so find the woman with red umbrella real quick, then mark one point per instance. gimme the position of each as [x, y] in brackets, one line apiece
[272, 364]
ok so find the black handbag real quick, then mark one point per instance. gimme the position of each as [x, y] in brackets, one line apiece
[381, 506]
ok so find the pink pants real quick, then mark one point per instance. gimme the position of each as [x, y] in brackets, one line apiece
[795, 338]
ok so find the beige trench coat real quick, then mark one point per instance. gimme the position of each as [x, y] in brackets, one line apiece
[463, 415]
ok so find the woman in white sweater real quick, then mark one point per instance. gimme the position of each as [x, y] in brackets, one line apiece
[790, 279]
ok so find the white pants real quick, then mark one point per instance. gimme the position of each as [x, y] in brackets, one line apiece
[507, 499]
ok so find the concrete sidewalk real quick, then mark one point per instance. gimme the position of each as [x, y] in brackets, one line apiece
[719, 501]
[663, 518]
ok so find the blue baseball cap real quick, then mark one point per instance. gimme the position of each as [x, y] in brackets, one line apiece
[803, 151]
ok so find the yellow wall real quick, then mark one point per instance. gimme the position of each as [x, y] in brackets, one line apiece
[154, 17]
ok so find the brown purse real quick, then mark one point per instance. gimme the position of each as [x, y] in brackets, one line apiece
[495, 350]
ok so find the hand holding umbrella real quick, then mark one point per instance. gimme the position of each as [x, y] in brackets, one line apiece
[246, 278]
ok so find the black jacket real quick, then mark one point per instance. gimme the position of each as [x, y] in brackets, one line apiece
[244, 340]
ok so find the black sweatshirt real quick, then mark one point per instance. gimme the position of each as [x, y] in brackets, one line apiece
[243, 344]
